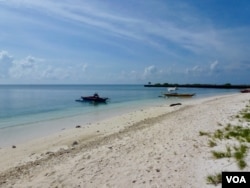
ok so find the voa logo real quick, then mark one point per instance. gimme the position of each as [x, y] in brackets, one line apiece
[236, 179]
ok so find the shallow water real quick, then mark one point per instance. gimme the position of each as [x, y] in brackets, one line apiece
[30, 111]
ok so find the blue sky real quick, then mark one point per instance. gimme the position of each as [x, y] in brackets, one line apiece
[124, 41]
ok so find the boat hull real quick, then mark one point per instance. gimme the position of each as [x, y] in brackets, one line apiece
[245, 91]
[94, 99]
[179, 94]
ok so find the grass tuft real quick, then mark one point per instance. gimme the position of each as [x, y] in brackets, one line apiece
[237, 133]
[242, 164]
[202, 133]
[246, 116]
[211, 143]
[218, 134]
[214, 179]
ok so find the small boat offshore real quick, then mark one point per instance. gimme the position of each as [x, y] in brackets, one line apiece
[94, 98]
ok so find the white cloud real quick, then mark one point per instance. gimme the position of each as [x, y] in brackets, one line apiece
[139, 29]
[5, 57]
[31, 69]
[6, 61]
[25, 68]
[129, 76]
[18, 72]
[14, 68]
[213, 65]
[194, 70]
[84, 67]
[53, 73]
[180, 33]
[148, 71]
[204, 69]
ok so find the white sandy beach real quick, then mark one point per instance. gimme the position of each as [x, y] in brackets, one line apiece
[153, 147]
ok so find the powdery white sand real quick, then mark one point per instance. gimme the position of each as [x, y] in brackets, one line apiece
[153, 147]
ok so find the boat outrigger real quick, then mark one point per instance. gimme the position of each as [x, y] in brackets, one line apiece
[179, 94]
[94, 98]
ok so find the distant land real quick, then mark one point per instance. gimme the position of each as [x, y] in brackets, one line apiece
[222, 86]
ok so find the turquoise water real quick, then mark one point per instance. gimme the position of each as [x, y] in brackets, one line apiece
[56, 101]
[23, 107]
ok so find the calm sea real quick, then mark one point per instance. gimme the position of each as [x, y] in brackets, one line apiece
[24, 107]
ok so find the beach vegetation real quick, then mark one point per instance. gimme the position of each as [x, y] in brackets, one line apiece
[242, 134]
[214, 179]
[240, 154]
[237, 116]
[202, 133]
[197, 85]
[219, 154]
[218, 134]
[246, 113]
[228, 127]
[237, 138]
[212, 143]
[227, 84]
[158, 84]
[242, 164]
[246, 116]
[219, 124]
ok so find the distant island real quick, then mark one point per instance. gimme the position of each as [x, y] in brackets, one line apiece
[222, 86]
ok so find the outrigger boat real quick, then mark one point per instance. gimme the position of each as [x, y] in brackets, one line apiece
[179, 94]
[245, 90]
[94, 98]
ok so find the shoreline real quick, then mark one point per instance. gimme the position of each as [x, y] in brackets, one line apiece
[26, 132]
[147, 147]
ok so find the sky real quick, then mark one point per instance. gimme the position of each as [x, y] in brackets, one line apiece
[124, 41]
